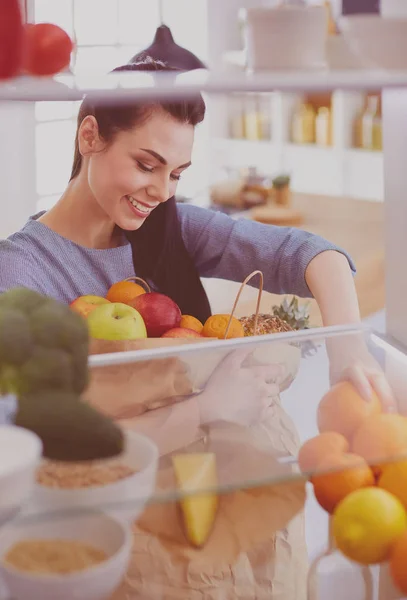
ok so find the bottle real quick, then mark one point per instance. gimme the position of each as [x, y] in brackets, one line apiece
[323, 129]
[303, 125]
[251, 119]
[369, 119]
[236, 118]
[331, 25]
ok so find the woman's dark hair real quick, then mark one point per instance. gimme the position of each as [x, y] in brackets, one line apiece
[159, 252]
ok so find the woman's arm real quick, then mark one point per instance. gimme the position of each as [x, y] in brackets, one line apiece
[330, 281]
[231, 249]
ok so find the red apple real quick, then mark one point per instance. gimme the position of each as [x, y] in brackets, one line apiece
[181, 332]
[84, 305]
[159, 312]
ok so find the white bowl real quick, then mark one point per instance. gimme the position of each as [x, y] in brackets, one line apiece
[286, 37]
[379, 42]
[125, 498]
[95, 583]
[20, 455]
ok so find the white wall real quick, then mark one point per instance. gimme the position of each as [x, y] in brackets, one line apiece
[17, 166]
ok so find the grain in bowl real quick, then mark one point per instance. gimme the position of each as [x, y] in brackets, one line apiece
[61, 556]
[120, 486]
[53, 556]
[81, 475]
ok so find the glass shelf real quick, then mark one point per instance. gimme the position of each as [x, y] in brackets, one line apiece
[208, 404]
[129, 86]
[203, 397]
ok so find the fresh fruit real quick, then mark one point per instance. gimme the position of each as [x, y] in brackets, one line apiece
[124, 291]
[266, 324]
[367, 524]
[398, 560]
[11, 38]
[70, 430]
[320, 446]
[159, 312]
[195, 473]
[116, 321]
[48, 49]
[381, 438]
[394, 479]
[343, 409]
[216, 326]
[340, 474]
[190, 322]
[181, 332]
[297, 316]
[43, 344]
[84, 305]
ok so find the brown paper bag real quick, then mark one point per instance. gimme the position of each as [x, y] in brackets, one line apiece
[128, 390]
[256, 549]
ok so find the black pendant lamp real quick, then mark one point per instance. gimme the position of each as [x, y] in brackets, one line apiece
[166, 50]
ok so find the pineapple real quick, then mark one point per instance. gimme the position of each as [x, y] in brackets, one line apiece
[265, 324]
[296, 316]
[288, 316]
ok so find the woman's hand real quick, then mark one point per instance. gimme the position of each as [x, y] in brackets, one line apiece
[351, 360]
[239, 394]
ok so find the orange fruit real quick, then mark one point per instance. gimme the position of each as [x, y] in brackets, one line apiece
[367, 524]
[340, 474]
[343, 409]
[315, 449]
[398, 560]
[124, 291]
[394, 480]
[381, 438]
[189, 322]
[216, 325]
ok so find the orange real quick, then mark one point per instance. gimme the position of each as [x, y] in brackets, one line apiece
[381, 438]
[394, 480]
[124, 291]
[398, 560]
[367, 524]
[216, 325]
[340, 475]
[315, 449]
[343, 409]
[189, 322]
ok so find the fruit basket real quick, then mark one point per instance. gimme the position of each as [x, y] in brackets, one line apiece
[168, 380]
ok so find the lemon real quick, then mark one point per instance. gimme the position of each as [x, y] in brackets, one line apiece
[367, 523]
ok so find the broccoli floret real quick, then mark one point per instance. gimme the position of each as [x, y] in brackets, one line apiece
[16, 340]
[46, 369]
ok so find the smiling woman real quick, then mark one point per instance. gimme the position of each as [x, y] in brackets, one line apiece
[118, 217]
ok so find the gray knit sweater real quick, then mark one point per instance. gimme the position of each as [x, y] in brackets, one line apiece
[38, 258]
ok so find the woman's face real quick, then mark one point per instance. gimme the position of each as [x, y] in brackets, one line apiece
[140, 169]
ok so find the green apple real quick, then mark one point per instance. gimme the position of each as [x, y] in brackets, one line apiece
[116, 321]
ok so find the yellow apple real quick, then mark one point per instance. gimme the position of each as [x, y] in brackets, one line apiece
[195, 473]
[116, 321]
[85, 304]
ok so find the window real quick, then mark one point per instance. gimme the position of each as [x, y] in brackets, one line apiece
[107, 34]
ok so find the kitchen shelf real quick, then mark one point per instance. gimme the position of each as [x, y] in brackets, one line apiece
[131, 86]
[326, 170]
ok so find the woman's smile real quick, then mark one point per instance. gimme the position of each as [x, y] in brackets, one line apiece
[141, 209]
